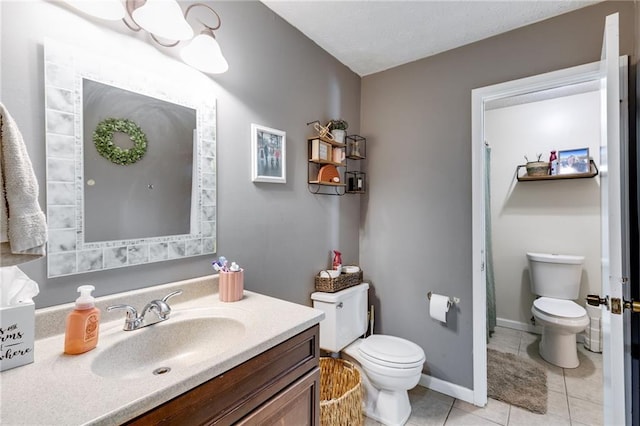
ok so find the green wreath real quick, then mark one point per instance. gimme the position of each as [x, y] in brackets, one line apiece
[103, 139]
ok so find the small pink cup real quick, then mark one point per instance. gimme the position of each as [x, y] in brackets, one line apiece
[231, 286]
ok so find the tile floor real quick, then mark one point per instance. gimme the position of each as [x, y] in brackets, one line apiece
[575, 395]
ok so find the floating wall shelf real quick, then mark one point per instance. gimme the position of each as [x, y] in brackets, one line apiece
[324, 152]
[524, 178]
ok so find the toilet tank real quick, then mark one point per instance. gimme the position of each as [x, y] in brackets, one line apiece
[345, 316]
[555, 275]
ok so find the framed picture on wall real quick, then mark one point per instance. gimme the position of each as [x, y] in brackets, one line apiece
[268, 154]
[573, 161]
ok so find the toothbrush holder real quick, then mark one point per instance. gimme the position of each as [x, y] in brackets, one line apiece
[231, 285]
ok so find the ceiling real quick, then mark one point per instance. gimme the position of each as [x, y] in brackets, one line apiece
[369, 36]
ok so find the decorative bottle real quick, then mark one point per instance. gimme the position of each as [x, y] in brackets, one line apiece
[553, 160]
[337, 260]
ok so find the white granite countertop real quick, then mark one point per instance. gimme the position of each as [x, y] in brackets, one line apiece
[59, 389]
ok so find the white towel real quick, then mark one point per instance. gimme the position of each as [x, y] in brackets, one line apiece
[23, 227]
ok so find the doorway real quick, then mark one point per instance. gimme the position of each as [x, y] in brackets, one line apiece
[611, 212]
[548, 216]
[480, 99]
[551, 216]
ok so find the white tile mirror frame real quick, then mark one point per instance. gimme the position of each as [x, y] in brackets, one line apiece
[65, 67]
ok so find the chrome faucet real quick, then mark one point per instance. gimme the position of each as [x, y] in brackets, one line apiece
[133, 322]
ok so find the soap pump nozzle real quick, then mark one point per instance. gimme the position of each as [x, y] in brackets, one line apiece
[86, 300]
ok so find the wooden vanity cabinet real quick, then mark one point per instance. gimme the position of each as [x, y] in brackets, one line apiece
[279, 386]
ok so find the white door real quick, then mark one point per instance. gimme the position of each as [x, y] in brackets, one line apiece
[614, 194]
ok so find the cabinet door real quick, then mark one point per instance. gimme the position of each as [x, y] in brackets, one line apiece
[234, 395]
[294, 406]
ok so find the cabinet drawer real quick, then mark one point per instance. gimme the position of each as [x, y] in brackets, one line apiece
[295, 406]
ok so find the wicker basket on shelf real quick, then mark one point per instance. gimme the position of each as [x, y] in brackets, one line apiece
[340, 393]
[342, 281]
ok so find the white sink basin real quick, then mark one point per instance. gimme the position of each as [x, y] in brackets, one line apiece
[176, 343]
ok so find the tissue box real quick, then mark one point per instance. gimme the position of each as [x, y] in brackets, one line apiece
[17, 333]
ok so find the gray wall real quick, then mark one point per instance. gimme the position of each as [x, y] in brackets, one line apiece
[415, 221]
[416, 217]
[280, 234]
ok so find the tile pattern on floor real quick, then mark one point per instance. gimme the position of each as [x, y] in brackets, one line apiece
[574, 395]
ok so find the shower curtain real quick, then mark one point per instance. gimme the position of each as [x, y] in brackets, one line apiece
[490, 284]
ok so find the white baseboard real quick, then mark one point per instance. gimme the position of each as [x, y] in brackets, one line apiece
[517, 325]
[521, 326]
[447, 388]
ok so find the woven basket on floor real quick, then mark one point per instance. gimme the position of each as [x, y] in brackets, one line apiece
[340, 393]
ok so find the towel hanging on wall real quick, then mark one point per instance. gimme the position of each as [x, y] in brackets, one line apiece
[23, 227]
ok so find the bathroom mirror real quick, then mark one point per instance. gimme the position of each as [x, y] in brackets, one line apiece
[102, 214]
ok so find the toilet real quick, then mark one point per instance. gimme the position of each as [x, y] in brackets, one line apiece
[555, 279]
[389, 365]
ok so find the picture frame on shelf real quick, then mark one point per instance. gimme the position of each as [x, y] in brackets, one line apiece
[320, 150]
[574, 161]
[268, 154]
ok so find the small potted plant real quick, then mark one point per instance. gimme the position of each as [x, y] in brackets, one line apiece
[338, 129]
[537, 168]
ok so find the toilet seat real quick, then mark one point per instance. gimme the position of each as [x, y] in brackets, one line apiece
[559, 307]
[391, 351]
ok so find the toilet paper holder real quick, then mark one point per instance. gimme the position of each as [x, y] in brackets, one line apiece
[452, 300]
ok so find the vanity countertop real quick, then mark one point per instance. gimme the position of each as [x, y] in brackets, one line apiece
[59, 389]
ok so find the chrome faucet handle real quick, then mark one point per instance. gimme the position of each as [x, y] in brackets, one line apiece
[131, 321]
[163, 307]
[160, 307]
[170, 295]
[130, 310]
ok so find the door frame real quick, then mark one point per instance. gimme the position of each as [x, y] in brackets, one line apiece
[479, 97]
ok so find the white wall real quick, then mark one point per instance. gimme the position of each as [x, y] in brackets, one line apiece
[560, 216]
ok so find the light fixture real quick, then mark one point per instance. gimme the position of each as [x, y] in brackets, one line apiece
[204, 53]
[163, 19]
[111, 10]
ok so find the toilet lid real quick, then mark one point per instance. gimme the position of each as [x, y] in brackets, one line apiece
[391, 351]
[559, 307]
